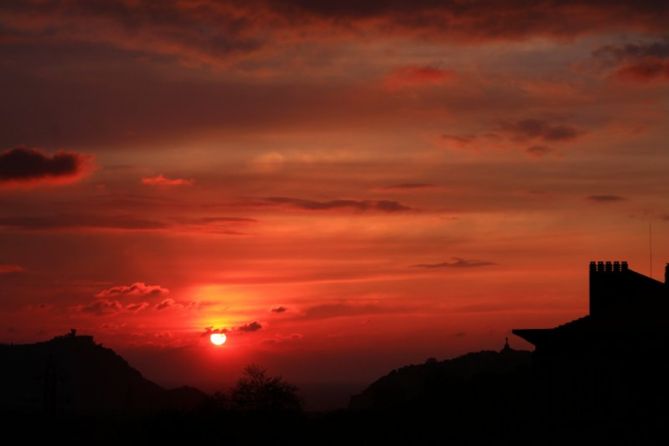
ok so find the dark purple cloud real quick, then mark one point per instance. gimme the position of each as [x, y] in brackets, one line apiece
[637, 62]
[23, 165]
[215, 32]
[244, 328]
[658, 48]
[540, 129]
[250, 327]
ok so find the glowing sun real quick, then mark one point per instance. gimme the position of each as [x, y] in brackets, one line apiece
[218, 338]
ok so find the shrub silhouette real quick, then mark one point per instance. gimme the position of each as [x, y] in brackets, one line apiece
[257, 392]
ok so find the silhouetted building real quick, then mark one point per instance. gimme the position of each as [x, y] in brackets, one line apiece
[613, 361]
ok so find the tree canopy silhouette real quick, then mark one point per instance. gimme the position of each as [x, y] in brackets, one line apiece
[256, 391]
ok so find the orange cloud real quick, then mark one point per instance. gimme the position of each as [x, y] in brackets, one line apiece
[416, 76]
[161, 180]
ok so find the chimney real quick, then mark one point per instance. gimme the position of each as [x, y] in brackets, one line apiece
[606, 280]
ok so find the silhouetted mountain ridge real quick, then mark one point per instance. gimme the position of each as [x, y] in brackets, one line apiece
[423, 385]
[74, 374]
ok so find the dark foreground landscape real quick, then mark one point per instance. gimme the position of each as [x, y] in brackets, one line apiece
[599, 379]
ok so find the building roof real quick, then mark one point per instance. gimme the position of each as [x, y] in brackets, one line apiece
[621, 300]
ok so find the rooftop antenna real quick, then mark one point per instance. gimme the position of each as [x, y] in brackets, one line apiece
[650, 247]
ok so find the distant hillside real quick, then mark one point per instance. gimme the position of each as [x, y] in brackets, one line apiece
[487, 378]
[74, 374]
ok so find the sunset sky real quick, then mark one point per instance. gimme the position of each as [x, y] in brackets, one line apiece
[343, 187]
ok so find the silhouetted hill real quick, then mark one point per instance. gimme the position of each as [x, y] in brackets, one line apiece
[74, 374]
[487, 377]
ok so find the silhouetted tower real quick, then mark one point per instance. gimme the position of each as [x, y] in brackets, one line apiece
[507, 348]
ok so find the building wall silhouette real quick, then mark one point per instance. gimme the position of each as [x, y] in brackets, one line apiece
[613, 361]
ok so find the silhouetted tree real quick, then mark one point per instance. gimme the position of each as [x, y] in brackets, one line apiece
[257, 392]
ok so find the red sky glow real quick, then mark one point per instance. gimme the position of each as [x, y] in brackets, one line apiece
[341, 187]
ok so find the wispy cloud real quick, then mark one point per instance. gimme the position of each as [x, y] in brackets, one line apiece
[540, 129]
[417, 76]
[605, 198]
[356, 205]
[457, 262]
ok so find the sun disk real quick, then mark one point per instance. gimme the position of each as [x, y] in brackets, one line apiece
[218, 338]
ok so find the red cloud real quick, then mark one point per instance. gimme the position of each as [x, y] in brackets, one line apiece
[6, 268]
[638, 62]
[101, 307]
[412, 76]
[216, 32]
[645, 70]
[166, 303]
[161, 180]
[22, 166]
[137, 289]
